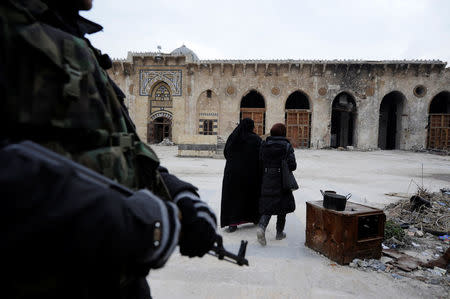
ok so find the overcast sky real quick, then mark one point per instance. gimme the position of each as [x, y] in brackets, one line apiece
[263, 29]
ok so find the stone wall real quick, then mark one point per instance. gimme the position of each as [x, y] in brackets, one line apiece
[321, 81]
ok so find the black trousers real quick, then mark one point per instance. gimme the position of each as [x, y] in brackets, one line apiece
[281, 221]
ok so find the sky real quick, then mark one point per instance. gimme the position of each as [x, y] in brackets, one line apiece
[283, 29]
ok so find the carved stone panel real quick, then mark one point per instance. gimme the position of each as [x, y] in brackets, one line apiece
[147, 78]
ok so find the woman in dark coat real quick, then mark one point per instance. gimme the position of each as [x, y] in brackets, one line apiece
[274, 200]
[241, 181]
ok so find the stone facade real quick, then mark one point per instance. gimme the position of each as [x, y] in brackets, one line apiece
[365, 104]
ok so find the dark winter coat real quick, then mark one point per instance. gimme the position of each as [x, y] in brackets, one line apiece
[274, 200]
[241, 181]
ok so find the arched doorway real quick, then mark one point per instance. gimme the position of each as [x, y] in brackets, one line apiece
[254, 107]
[439, 122]
[160, 117]
[343, 116]
[390, 121]
[159, 129]
[298, 119]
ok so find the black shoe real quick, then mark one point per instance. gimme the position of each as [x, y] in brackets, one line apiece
[231, 229]
[280, 236]
[261, 236]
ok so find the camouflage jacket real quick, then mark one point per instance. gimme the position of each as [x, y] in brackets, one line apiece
[54, 91]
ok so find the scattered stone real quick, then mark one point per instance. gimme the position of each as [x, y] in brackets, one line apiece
[419, 234]
[415, 245]
[440, 270]
[166, 142]
[353, 265]
[385, 259]
[362, 263]
[434, 281]
[440, 249]
[396, 276]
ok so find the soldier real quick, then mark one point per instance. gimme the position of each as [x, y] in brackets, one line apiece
[62, 237]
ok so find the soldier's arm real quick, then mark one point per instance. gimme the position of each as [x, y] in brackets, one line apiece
[56, 219]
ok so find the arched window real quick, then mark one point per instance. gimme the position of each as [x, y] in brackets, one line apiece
[439, 122]
[298, 119]
[254, 107]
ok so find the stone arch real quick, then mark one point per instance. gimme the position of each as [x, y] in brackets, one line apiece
[159, 124]
[253, 105]
[392, 108]
[438, 136]
[297, 118]
[208, 108]
[343, 120]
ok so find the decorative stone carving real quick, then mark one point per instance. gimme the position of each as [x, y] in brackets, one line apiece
[230, 90]
[275, 91]
[162, 113]
[147, 78]
[322, 91]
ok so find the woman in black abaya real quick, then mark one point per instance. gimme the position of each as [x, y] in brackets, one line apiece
[241, 186]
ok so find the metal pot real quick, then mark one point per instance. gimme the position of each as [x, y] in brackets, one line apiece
[334, 201]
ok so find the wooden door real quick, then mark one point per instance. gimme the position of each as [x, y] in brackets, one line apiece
[439, 131]
[258, 116]
[298, 127]
[150, 133]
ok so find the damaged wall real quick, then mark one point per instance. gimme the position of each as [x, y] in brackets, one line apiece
[321, 81]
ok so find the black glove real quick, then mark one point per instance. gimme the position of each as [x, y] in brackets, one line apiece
[198, 225]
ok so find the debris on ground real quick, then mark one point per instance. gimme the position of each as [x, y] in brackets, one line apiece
[166, 142]
[416, 238]
[427, 212]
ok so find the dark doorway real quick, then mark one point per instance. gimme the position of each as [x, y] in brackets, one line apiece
[253, 106]
[159, 129]
[298, 119]
[439, 122]
[343, 117]
[390, 121]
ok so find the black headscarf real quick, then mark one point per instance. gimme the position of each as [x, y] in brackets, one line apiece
[241, 132]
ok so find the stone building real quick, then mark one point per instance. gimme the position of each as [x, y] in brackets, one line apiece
[401, 104]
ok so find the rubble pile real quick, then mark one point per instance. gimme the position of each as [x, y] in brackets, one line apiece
[416, 232]
[428, 212]
[166, 142]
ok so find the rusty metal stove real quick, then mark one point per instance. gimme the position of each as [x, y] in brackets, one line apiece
[356, 232]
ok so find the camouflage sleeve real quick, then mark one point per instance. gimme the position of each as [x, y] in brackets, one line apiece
[57, 216]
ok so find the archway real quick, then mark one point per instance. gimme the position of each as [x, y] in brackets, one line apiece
[343, 116]
[298, 119]
[159, 129]
[254, 107]
[160, 117]
[390, 121]
[439, 122]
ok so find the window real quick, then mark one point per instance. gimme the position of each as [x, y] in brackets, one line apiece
[208, 127]
[162, 94]
[208, 93]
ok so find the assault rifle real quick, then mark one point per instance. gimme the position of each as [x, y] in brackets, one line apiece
[36, 151]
